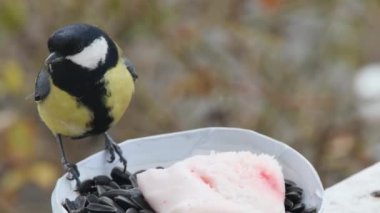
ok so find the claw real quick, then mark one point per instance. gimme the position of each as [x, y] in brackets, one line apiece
[113, 148]
[112, 155]
[110, 150]
[119, 152]
[73, 172]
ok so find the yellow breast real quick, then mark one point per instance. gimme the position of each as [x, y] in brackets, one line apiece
[120, 87]
[62, 114]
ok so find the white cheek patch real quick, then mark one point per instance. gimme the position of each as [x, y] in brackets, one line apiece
[91, 55]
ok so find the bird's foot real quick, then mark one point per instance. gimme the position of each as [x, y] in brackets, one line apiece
[109, 148]
[112, 147]
[73, 172]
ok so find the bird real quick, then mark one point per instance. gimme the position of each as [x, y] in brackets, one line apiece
[84, 88]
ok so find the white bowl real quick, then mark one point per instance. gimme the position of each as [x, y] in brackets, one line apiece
[165, 149]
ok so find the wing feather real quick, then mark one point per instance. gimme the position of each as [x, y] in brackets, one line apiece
[42, 88]
[131, 68]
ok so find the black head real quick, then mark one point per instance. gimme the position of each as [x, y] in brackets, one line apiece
[81, 44]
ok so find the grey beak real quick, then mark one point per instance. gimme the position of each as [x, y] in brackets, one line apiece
[53, 58]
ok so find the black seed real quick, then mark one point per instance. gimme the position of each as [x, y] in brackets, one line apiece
[107, 188]
[114, 185]
[310, 210]
[70, 205]
[131, 210]
[124, 202]
[100, 189]
[126, 186]
[117, 192]
[298, 208]
[91, 198]
[294, 189]
[159, 167]
[133, 178]
[86, 187]
[119, 176]
[289, 183]
[293, 196]
[138, 198]
[145, 211]
[288, 204]
[102, 180]
[96, 207]
[106, 201]
[110, 202]
[80, 202]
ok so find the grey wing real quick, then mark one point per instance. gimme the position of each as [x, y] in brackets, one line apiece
[42, 86]
[131, 68]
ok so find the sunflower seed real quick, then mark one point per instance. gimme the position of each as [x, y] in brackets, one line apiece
[137, 197]
[295, 189]
[131, 210]
[298, 208]
[288, 204]
[114, 185]
[80, 202]
[293, 196]
[108, 188]
[96, 207]
[108, 201]
[126, 186]
[133, 178]
[293, 199]
[124, 202]
[119, 176]
[145, 211]
[86, 187]
[92, 198]
[117, 192]
[100, 189]
[70, 205]
[310, 210]
[102, 180]
[289, 183]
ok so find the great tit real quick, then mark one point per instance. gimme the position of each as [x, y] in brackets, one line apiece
[84, 88]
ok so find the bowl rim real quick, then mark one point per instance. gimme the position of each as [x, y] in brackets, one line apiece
[209, 130]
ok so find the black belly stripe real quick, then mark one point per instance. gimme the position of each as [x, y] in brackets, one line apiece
[89, 89]
[95, 101]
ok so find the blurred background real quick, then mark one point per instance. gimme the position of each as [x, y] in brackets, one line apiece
[303, 72]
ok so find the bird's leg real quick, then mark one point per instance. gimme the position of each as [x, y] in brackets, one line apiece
[70, 168]
[112, 147]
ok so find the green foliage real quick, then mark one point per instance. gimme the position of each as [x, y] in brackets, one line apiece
[12, 78]
[13, 15]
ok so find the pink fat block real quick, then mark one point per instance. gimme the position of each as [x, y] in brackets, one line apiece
[227, 182]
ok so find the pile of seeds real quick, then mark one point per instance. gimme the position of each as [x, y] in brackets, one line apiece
[293, 199]
[120, 194]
